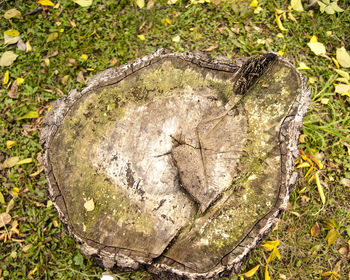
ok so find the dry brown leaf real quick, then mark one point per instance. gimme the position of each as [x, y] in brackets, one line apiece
[346, 182]
[211, 48]
[80, 77]
[73, 24]
[52, 54]
[315, 230]
[72, 61]
[13, 91]
[5, 218]
[235, 30]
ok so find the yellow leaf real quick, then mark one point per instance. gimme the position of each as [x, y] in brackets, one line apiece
[302, 138]
[335, 62]
[29, 115]
[12, 13]
[46, 3]
[25, 161]
[317, 48]
[41, 169]
[6, 78]
[296, 5]
[342, 89]
[61, 30]
[280, 35]
[251, 272]
[47, 62]
[313, 39]
[20, 81]
[10, 144]
[176, 39]
[28, 47]
[89, 205]
[258, 10]
[267, 276]
[254, 3]
[51, 37]
[15, 191]
[50, 107]
[279, 23]
[312, 80]
[343, 57]
[320, 188]
[308, 172]
[12, 32]
[325, 274]
[83, 3]
[84, 56]
[342, 80]
[332, 236]
[324, 101]
[140, 3]
[343, 73]
[271, 244]
[32, 272]
[315, 230]
[10, 162]
[292, 18]
[302, 66]
[141, 37]
[304, 164]
[311, 178]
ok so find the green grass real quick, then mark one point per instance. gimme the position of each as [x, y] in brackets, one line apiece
[107, 32]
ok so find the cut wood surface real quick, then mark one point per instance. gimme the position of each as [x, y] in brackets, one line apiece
[177, 163]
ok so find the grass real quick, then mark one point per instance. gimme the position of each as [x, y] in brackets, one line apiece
[107, 32]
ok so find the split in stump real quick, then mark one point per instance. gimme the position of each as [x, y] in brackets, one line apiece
[176, 162]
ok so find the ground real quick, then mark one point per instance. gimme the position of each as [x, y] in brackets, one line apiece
[69, 43]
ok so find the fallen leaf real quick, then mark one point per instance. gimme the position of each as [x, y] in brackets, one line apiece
[346, 182]
[55, 223]
[9, 40]
[292, 18]
[176, 39]
[47, 62]
[345, 251]
[317, 48]
[73, 24]
[28, 47]
[12, 33]
[27, 247]
[343, 57]
[267, 275]
[211, 48]
[41, 169]
[80, 77]
[6, 78]
[13, 91]
[332, 236]
[46, 3]
[254, 3]
[64, 80]
[83, 3]
[25, 161]
[258, 10]
[320, 188]
[343, 73]
[21, 45]
[2, 199]
[140, 3]
[12, 13]
[10, 162]
[141, 37]
[251, 272]
[10, 144]
[20, 81]
[73, 61]
[8, 58]
[315, 230]
[29, 115]
[296, 5]
[14, 191]
[342, 89]
[52, 54]
[51, 37]
[5, 218]
[279, 23]
[303, 66]
[302, 138]
[324, 101]
[89, 205]
[84, 56]
[342, 80]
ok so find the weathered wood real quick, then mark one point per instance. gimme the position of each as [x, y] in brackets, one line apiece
[176, 162]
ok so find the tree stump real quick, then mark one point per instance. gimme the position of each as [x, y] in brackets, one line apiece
[177, 163]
